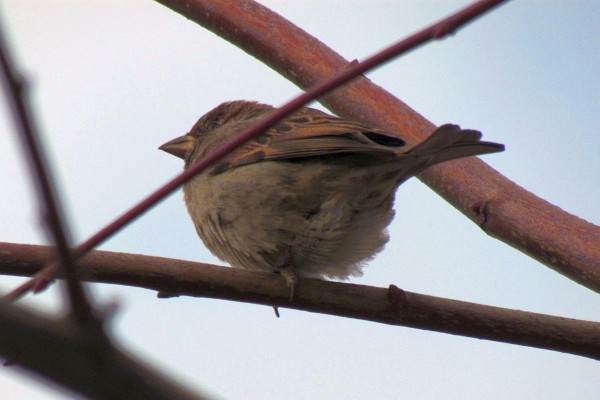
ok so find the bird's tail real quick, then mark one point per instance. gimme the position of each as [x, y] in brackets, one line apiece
[449, 142]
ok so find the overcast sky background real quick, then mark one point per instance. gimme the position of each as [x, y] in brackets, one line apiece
[112, 80]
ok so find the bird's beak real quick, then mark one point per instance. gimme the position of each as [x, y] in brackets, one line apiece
[179, 147]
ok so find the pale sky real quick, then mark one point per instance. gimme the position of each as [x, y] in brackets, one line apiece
[111, 81]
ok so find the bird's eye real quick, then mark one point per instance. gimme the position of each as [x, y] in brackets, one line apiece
[212, 125]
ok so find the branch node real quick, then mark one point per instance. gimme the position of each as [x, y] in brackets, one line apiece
[481, 210]
[397, 297]
[443, 29]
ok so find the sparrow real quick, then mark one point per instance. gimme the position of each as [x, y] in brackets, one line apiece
[310, 197]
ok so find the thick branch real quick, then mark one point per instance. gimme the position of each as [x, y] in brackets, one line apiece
[506, 211]
[390, 306]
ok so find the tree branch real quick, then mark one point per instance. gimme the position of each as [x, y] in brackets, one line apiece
[42, 177]
[563, 242]
[389, 306]
[82, 360]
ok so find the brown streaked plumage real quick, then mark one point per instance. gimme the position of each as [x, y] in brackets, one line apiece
[312, 196]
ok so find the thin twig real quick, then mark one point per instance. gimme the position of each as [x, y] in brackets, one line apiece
[389, 306]
[48, 198]
[356, 69]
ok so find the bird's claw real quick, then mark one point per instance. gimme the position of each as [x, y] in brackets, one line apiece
[291, 280]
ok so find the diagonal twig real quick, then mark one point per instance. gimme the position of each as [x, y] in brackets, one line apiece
[354, 70]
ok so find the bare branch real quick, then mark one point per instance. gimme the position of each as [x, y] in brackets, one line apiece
[503, 209]
[390, 306]
[83, 361]
[41, 172]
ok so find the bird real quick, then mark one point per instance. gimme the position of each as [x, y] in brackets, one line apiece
[309, 198]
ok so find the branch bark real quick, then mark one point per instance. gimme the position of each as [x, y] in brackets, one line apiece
[389, 306]
[504, 210]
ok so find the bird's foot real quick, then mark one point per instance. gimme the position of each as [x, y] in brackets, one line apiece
[291, 280]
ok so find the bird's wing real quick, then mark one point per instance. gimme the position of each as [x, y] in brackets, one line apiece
[311, 133]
